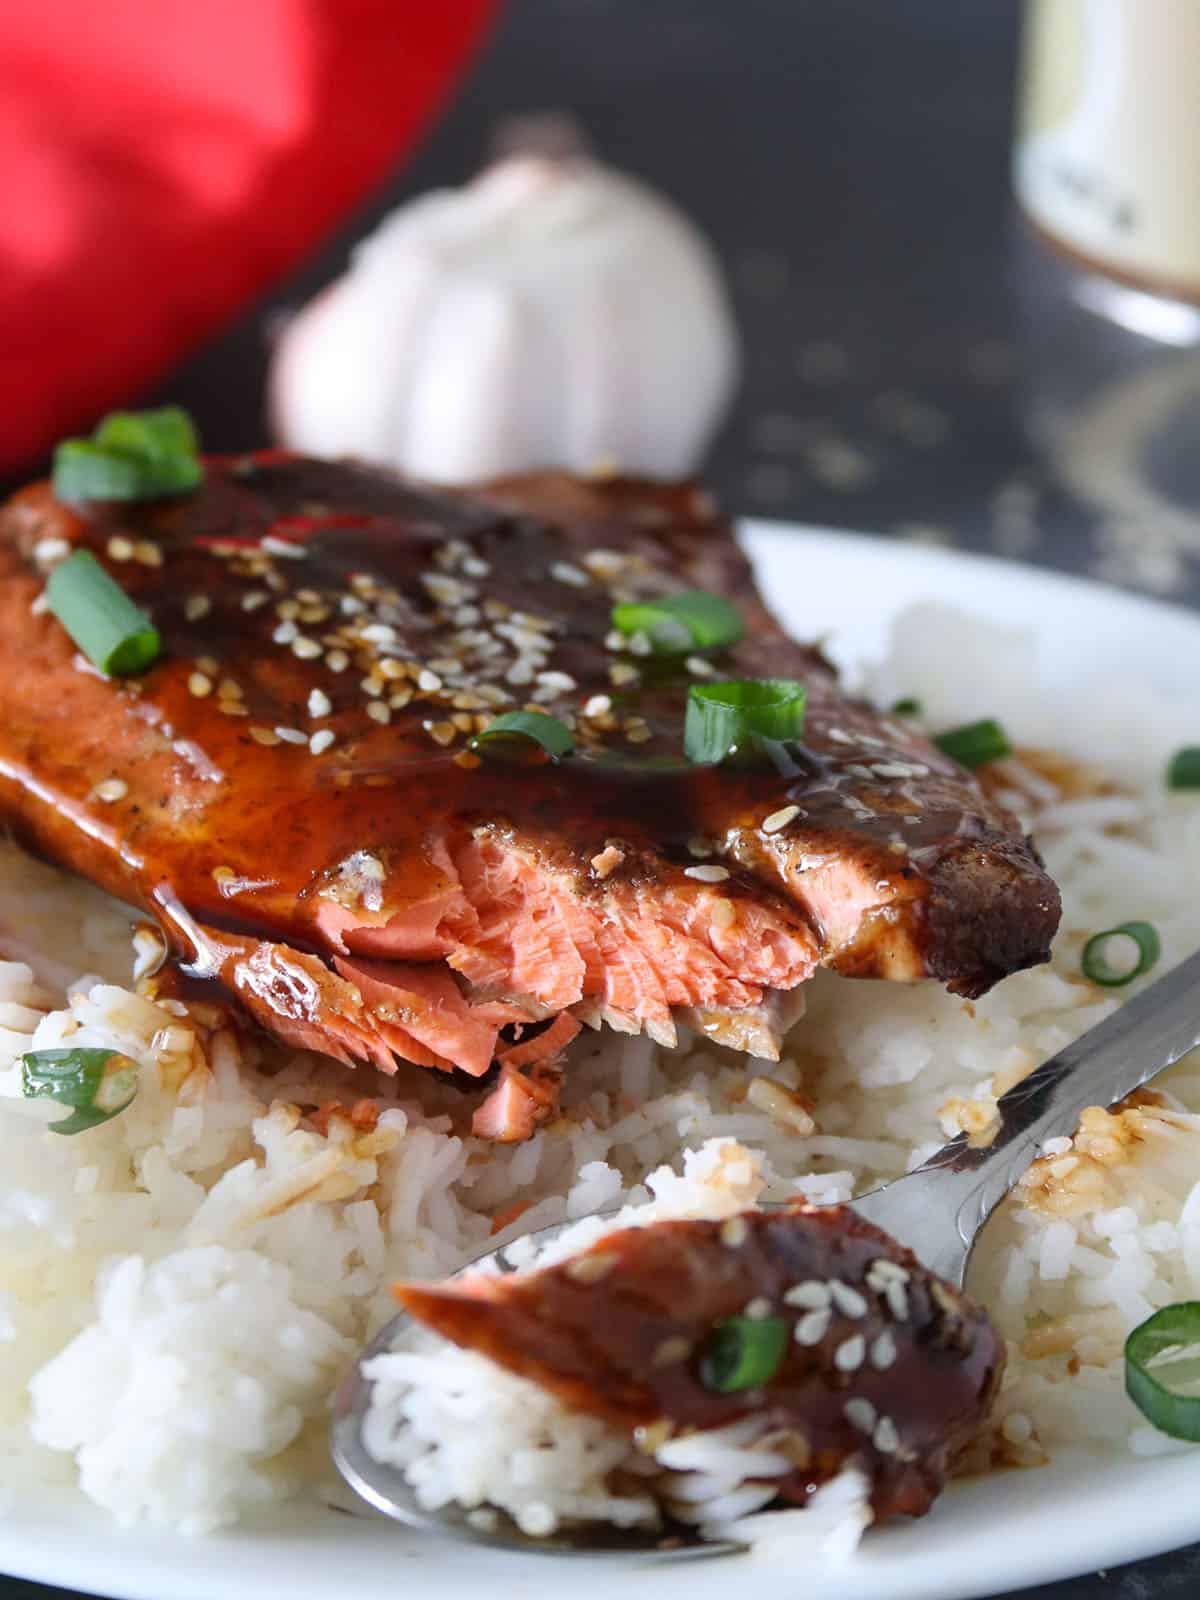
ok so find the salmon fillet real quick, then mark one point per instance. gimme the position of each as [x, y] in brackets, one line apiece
[289, 793]
[880, 1364]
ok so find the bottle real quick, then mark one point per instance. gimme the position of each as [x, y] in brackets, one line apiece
[1106, 169]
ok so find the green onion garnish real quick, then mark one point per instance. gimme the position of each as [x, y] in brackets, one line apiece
[96, 1084]
[908, 707]
[113, 633]
[724, 717]
[132, 455]
[1097, 952]
[1183, 769]
[681, 622]
[555, 738]
[743, 1353]
[1162, 1369]
[975, 743]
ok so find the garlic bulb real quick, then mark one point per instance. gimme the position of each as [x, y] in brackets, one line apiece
[552, 313]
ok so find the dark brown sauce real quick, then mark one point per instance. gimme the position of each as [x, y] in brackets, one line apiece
[274, 823]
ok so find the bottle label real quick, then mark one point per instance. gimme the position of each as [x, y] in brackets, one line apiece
[1107, 154]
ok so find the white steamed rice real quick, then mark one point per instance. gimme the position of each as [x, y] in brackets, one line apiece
[181, 1288]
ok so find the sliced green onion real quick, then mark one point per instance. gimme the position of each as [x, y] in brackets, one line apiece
[167, 434]
[681, 622]
[555, 738]
[975, 743]
[1098, 966]
[743, 1353]
[1183, 769]
[96, 1084]
[724, 717]
[113, 633]
[132, 455]
[1162, 1369]
[908, 707]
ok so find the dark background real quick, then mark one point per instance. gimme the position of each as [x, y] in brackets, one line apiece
[849, 158]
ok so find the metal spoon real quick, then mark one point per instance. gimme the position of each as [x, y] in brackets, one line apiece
[937, 1211]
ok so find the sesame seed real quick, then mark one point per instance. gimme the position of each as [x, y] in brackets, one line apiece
[812, 1327]
[120, 548]
[605, 563]
[40, 605]
[598, 705]
[378, 712]
[351, 606]
[708, 874]
[669, 1351]
[292, 735]
[337, 661]
[592, 1267]
[780, 819]
[810, 1296]
[467, 759]
[562, 681]
[699, 667]
[622, 672]
[283, 547]
[287, 610]
[881, 1270]
[285, 632]
[147, 553]
[427, 680]
[638, 644]
[850, 1354]
[883, 1351]
[476, 567]
[199, 685]
[860, 1414]
[319, 703]
[757, 1309]
[306, 649]
[399, 698]
[848, 1301]
[639, 734]
[379, 633]
[266, 736]
[614, 639]
[46, 552]
[734, 1232]
[567, 572]
[886, 1439]
[321, 740]
[724, 914]
[698, 846]
[196, 606]
[229, 689]
[442, 733]
[254, 599]
[372, 686]
[111, 789]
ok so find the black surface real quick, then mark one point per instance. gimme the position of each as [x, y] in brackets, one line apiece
[849, 158]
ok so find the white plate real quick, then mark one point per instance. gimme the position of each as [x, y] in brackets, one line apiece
[987, 1535]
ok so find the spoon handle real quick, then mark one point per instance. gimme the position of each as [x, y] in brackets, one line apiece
[938, 1209]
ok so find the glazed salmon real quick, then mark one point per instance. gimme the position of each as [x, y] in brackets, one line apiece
[289, 790]
[878, 1363]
